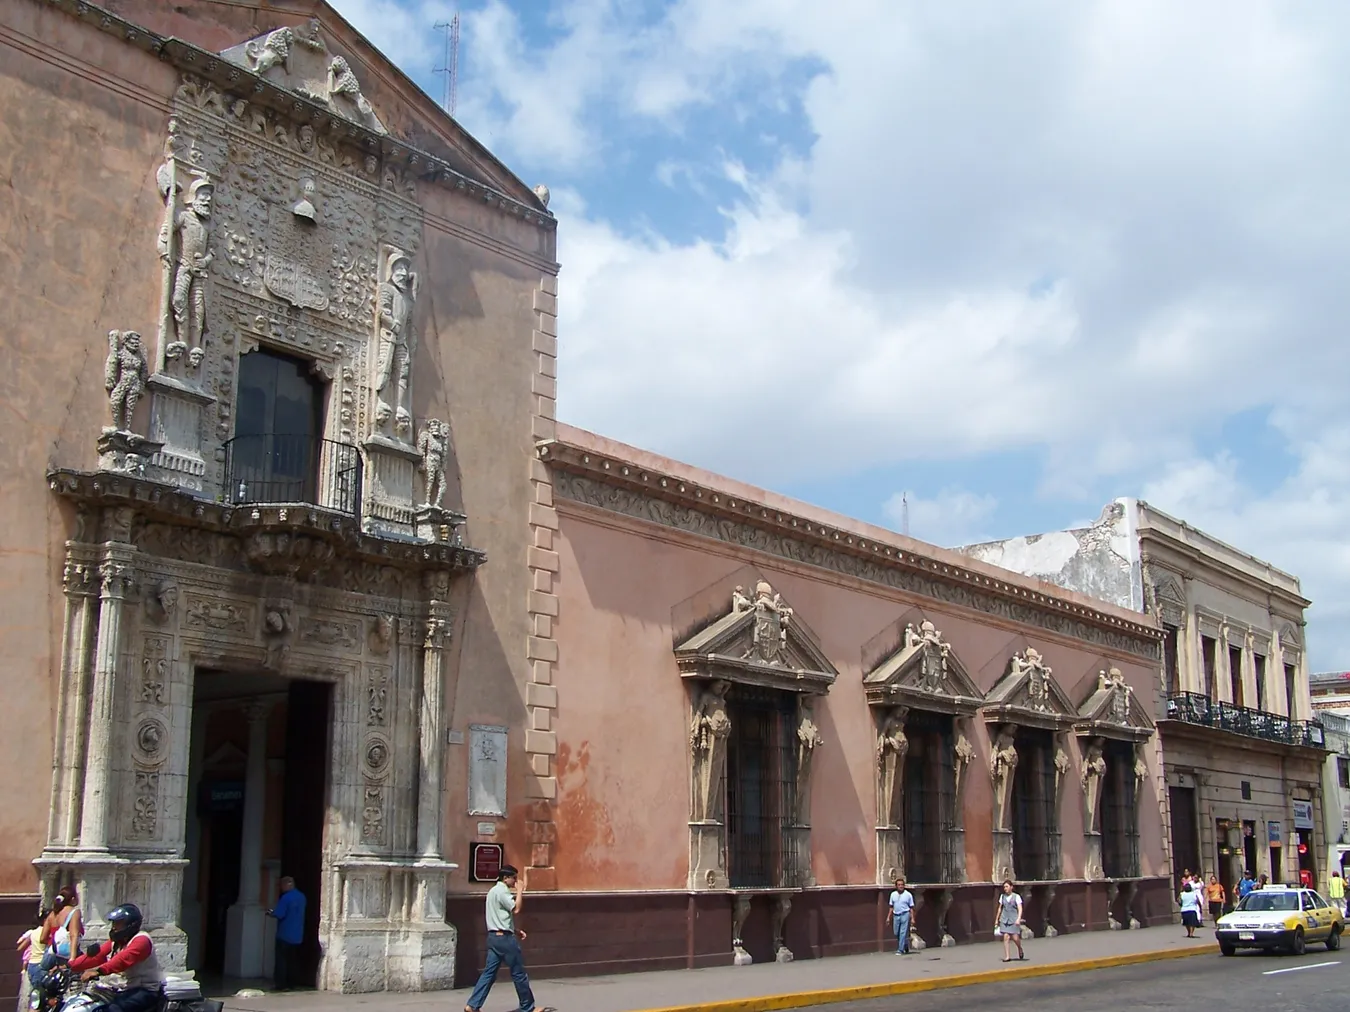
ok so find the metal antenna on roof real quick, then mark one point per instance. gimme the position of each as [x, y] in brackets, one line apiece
[450, 62]
[904, 514]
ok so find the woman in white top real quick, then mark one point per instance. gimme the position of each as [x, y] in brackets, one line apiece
[1008, 921]
[1190, 908]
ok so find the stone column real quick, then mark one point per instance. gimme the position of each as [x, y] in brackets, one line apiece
[64, 826]
[431, 734]
[246, 919]
[115, 573]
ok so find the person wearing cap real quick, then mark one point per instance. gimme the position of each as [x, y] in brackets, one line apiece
[504, 901]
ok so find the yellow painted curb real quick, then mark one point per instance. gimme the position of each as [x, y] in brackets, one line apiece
[862, 992]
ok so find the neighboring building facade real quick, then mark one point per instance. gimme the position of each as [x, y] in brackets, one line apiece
[1336, 786]
[1243, 755]
[303, 578]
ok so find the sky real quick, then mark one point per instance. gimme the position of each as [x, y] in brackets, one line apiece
[1006, 260]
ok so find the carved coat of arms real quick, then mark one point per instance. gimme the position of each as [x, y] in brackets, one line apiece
[771, 621]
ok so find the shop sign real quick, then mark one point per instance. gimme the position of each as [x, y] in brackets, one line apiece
[1303, 815]
[485, 861]
[1273, 834]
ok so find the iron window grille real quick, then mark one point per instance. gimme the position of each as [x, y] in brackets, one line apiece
[1120, 813]
[761, 788]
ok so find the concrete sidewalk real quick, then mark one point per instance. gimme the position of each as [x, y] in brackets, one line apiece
[770, 986]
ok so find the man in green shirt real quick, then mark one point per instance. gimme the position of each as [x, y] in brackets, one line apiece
[1336, 891]
[504, 901]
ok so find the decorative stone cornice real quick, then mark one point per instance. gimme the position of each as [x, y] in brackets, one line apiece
[244, 83]
[620, 487]
[276, 539]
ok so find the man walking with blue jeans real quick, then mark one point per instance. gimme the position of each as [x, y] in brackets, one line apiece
[504, 901]
[902, 910]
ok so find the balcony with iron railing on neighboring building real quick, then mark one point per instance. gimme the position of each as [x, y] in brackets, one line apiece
[1195, 708]
[275, 468]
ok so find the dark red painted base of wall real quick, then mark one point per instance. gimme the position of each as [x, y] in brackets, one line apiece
[17, 915]
[579, 934]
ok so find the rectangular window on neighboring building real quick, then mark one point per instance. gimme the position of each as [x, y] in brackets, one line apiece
[1035, 816]
[1235, 675]
[1343, 771]
[1207, 647]
[1120, 813]
[1171, 674]
[1259, 666]
[1290, 692]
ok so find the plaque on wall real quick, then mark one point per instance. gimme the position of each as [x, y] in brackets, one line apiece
[485, 862]
[487, 770]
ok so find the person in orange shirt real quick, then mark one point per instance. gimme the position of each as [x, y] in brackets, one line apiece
[1214, 892]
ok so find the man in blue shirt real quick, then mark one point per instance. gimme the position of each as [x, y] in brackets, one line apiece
[902, 911]
[1246, 884]
[290, 915]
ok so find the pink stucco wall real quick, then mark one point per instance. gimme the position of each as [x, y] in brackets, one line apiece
[630, 590]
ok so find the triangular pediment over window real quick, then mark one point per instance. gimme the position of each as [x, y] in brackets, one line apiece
[1112, 710]
[1028, 694]
[758, 641]
[923, 673]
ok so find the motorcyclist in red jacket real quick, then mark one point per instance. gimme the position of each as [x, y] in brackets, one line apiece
[129, 952]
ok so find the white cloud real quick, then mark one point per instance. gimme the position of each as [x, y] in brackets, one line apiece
[952, 517]
[1090, 231]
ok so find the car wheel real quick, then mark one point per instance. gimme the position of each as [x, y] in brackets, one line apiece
[1226, 949]
[1299, 945]
[1334, 940]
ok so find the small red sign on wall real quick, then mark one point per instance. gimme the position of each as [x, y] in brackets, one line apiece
[485, 862]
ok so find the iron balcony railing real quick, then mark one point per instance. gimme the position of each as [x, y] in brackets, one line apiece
[1194, 708]
[278, 468]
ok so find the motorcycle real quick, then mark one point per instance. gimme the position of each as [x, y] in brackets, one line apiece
[63, 991]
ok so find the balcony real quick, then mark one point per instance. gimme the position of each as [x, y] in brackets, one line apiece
[1194, 708]
[276, 468]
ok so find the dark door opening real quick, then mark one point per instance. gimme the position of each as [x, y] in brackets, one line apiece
[296, 789]
[305, 798]
[274, 455]
[1185, 833]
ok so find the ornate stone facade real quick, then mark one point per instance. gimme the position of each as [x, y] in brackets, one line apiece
[291, 222]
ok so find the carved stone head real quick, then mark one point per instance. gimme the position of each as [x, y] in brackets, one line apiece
[372, 165]
[200, 194]
[399, 270]
[131, 341]
[195, 357]
[306, 137]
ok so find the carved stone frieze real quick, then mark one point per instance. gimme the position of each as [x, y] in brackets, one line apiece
[330, 632]
[154, 670]
[213, 614]
[377, 692]
[799, 548]
[145, 813]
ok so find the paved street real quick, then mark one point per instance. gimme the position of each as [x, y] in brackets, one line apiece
[1316, 982]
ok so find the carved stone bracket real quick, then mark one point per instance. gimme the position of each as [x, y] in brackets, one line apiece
[1049, 907]
[740, 912]
[781, 908]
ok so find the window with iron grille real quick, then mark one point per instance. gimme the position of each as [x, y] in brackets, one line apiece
[1120, 814]
[761, 781]
[1343, 771]
[929, 797]
[1035, 815]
